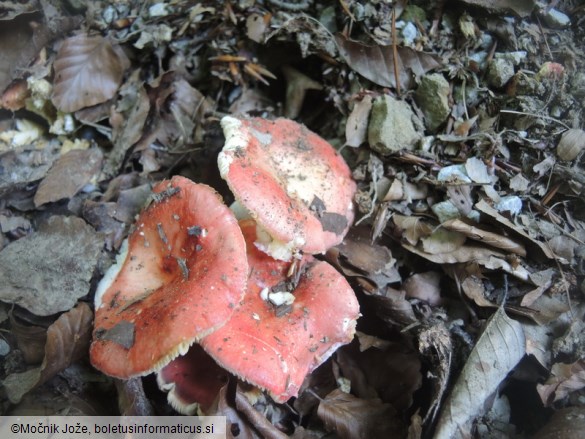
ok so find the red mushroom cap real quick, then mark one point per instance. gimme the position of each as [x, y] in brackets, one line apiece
[183, 271]
[294, 184]
[193, 381]
[276, 347]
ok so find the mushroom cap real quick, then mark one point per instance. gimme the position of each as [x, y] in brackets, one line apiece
[295, 184]
[183, 270]
[193, 381]
[276, 350]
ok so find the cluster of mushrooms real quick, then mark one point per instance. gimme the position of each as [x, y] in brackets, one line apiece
[199, 288]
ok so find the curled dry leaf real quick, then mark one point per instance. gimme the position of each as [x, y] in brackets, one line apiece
[535, 248]
[564, 379]
[424, 286]
[376, 62]
[389, 371]
[522, 8]
[356, 128]
[489, 238]
[67, 341]
[88, 71]
[352, 417]
[498, 350]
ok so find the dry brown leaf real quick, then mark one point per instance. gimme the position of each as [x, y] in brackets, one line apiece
[67, 341]
[523, 8]
[564, 379]
[351, 417]
[47, 271]
[128, 121]
[442, 241]
[376, 63]
[257, 419]
[533, 245]
[489, 238]
[391, 372]
[393, 308]
[499, 349]
[22, 172]
[424, 286]
[236, 423]
[68, 175]
[359, 251]
[412, 228]
[356, 128]
[88, 71]
[460, 196]
[486, 257]
[474, 289]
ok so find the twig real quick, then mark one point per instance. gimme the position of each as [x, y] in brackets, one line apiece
[395, 52]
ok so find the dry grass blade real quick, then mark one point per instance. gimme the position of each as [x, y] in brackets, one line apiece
[88, 71]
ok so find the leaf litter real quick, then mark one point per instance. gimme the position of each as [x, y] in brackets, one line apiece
[470, 232]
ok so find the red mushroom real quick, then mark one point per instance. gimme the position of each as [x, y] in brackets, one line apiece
[193, 381]
[178, 278]
[293, 183]
[281, 332]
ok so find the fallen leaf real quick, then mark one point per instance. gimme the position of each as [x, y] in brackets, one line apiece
[492, 215]
[391, 372]
[376, 63]
[424, 286]
[499, 349]
[47, 271]
[564, 380]
[88, 71]
[442, 241]
[21, 171]
[67, 341]
[356, 128]
[352, 417]
[480, 235]
[523, 8]
[68, 175]
[257, 419]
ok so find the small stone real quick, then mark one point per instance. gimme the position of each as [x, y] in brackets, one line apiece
[499, 72]
[555, 19]
[571, 144]
[409, 33]
[515, 57]
[392, 126]
[432, 96]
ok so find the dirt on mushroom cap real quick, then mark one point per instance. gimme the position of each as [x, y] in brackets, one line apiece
[173, 287]
[294, 183]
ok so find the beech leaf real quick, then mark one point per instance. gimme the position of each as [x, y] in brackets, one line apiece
[352, 417]
[88, 71]
[67, 341]
[376, 62]
[499, 349]
[523, 8]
